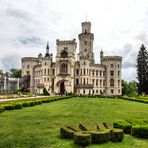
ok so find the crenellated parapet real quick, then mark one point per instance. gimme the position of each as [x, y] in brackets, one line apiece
[65, 42]
[111, 58]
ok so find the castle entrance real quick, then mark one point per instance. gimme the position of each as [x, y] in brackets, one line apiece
[62, 88]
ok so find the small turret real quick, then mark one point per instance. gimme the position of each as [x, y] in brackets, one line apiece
[101, 55]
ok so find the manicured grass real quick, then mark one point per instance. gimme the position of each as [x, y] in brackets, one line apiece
[38, 126]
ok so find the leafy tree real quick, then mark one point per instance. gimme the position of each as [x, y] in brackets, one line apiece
[2, 73]
[142, 70]
[129, 89]
[16, 73]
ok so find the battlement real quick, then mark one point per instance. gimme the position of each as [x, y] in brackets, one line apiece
[29, 59]
[65, 42]
[111, 58]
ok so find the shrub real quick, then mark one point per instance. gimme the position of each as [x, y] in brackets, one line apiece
[117, 135]
[32, 103]
[9, 107]
[100, 136]
[140, 131]
[82, 138]
[73, 127]
[18, 106]
[40, 102]
[100, 126]
[66, 133]
[87, 127]
[45, 92]
[26, 104]
[2, 109]
[107, 125]
[122, 124]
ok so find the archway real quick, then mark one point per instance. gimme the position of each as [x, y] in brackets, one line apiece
[62, 88]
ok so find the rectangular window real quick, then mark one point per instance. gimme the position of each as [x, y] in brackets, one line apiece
[112, 91]
[111, 65]
[118, 73]
[111, 73]
[77, 71]
[96, 72]
[77, 81]
[28, 66]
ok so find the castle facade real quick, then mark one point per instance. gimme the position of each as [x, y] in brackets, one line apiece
[71, 74]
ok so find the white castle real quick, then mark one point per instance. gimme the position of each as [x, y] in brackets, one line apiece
[69, 74]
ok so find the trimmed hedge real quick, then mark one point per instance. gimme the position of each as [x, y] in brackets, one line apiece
[100, 136]
[122, 124]
[82, 138]
[73, 127]
[18, 106]
[100, 126]
[10, 107]
[26, 104]
[117, 135]
[2, 109]
[66, 133]
[140, 131]
[87, 127]
[32, 103]
[107, 125]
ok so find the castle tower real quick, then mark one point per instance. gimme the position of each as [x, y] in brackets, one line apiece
[86, 39]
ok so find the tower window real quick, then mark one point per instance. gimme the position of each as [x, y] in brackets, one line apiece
[85, 31]
[111, 73]
[63, 68]
[77, 71]
[111, 82]
[111, 65]
[85, 42]
[64, 54]
[85, 50]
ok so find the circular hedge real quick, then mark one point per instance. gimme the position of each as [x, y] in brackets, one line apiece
[100, 136]
[117, 135]
[82, 138]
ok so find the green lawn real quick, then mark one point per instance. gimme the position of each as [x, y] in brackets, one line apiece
[38, 126]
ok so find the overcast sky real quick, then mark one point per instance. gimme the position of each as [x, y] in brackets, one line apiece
[119, 27]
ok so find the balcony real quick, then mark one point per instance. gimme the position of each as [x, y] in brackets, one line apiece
[39, 85]
[85, 86]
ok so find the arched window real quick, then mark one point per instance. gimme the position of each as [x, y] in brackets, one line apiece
[64, 54]
[63, 68]
[111, 82]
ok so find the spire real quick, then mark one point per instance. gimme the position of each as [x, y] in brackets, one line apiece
[47, 49]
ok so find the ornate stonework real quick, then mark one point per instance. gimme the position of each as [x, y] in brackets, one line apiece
[70, 74]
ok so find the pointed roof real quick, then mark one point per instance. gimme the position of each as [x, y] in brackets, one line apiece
[47, 50]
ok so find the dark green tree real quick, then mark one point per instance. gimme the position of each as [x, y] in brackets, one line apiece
[15, 73]
[142, 70]
[129, 88]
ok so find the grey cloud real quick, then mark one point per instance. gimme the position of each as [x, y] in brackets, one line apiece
[18, 13]
[30, 40]
[10, 61]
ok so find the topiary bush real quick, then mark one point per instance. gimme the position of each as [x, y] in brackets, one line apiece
[2, 109]
[73, 127]
[66, 133]
[100, 136]
[140, 131]
[100, 126]
[82, 138]
[87, 127]
[117, 135]
[32, 103]
[26, 104]
[9, 107]
[18, 106]
[122, 124]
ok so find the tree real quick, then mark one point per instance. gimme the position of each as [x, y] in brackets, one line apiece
[16, 73]
[142, 70]
[129, 89]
